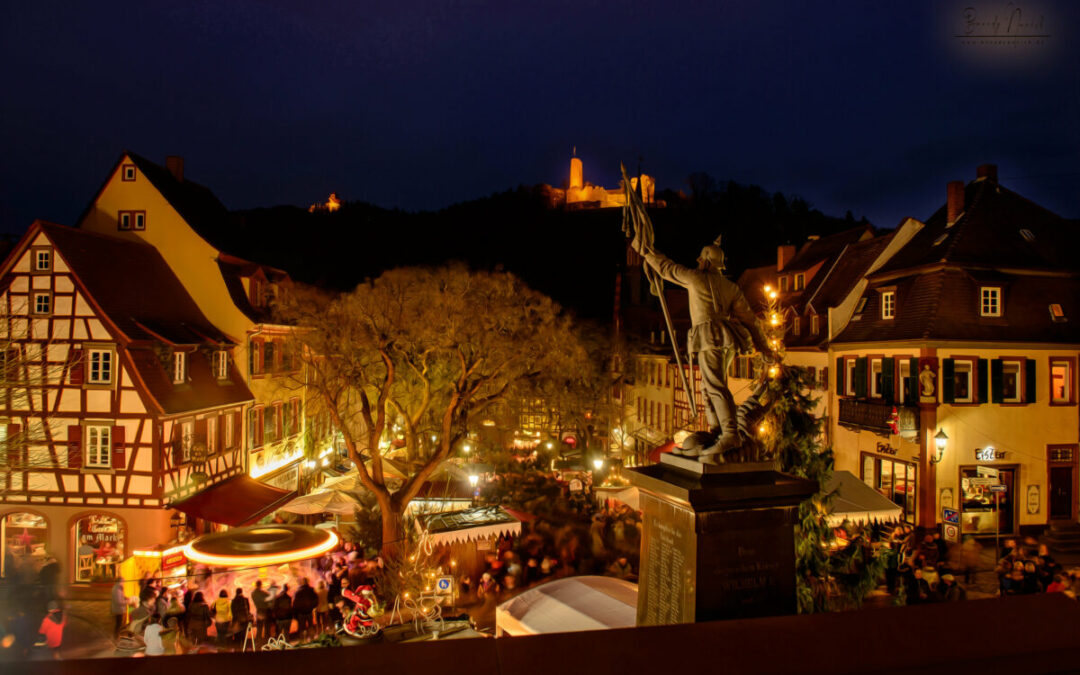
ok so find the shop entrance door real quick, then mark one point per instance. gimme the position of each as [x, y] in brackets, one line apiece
[985, 511]
[1061, 487]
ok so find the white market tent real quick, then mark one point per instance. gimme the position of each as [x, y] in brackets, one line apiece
[330, 501]
[568, 605]
[857, 502]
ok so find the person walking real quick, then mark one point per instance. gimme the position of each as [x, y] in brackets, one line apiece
[52, 627]
[322, 609]
[222, 616]
[198, 619]
[118, 606]
[263, 618]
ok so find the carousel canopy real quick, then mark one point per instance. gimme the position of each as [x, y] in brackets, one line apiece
[467, 525]
[570, 605]
[857, 502]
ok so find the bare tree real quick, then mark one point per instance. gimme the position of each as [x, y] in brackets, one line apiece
[422, 349]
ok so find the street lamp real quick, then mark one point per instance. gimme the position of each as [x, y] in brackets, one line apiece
[474, 480]
[466, 448]
[940, 440]
[598, 464]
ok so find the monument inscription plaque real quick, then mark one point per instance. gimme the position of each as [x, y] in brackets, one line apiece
[717, 543]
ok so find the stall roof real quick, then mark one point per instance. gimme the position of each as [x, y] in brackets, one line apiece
[468, 525]
[572, 604]
[857, 502]
[240, 500]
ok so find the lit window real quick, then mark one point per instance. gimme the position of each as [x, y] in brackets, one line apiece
[42, 303]
[875, 378]
[211, 435]
[991, 301]
[128, 220]
[42, 260]
[888, 305]
[963, 384]
[128, 172]
[221, 364]
[101, 368]
[1061, 381]
[97, 446]
[179, 367]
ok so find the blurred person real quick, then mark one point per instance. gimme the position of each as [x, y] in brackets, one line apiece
[222, 616]
[949, 590]
[52, 627]
[262, 611]
[198, 619]
[322, 608]
[152, 636]
[305, 602]
[283, 611]
[241, 613]
[118, 606]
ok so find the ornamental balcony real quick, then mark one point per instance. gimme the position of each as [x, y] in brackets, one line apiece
[860, 413]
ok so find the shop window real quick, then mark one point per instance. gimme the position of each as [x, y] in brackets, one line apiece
[985, 512]
[894, 479]
[100, 549]
[23, 537]
[1062, 380]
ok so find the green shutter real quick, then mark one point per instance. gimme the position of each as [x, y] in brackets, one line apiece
[1029, 380]
[888, 379]
[912, 383]
[997, 393]
[981, 384]
[860, 377]
[839, 376]
[948, 379]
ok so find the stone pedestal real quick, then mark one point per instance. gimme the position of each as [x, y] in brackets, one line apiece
[718, 541]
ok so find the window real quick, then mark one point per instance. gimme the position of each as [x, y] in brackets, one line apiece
[211, 435]
[861, 305]
[1010, 382]
[1062, 376]
[293, 420]
[888, 305]
[962, 382]
[795, 326]
[876, 377]
[255, 357]
[221, 364]
[97, 447]
[255, 427]
[815, 324]
[257, 295]
[42, 302]
[894, 479]
[42, 260]
[905, 382]
[783, 284]
[179, 369]
[849, 375]
[800, 281]
[187, 439]
[131, 220]
[269, 362]
[1057, 314]
[230, 432]
[991, 301]
[101, 366]
[127, 173]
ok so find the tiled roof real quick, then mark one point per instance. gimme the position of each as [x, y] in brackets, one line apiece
[989, 234]
[944, 305]
[830, 287]
[140, 295]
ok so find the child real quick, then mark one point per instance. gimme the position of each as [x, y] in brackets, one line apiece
[52, 627]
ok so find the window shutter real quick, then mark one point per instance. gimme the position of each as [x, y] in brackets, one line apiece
[1029, 380]
[75, 458]
[997, 389]
[888, 379]
[177, 445]
[119, 458]
[981, 384]
[948, 380]
[912, 384]
[77, 369]
[860, 377]
[840, 377]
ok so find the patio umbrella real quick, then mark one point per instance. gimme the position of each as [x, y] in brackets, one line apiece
[331, 501]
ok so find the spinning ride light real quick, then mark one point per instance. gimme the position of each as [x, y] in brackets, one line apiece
[260, 545]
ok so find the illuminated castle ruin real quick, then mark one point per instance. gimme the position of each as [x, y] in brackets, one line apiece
[581, 194]
[332, 204]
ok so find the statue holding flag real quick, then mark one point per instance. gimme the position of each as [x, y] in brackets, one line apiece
[722, 325]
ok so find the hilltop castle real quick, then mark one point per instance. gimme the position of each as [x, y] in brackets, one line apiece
[580, 194]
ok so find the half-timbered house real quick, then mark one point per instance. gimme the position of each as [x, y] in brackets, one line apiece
[121, 401]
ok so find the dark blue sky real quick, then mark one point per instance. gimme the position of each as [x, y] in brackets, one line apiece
[868, 106]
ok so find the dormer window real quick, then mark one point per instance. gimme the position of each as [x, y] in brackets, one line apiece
[796, 328]
[800, 281]
[221, 364]
[888, 305]
[861, 305]
[783, 284]
[991, 301]
[1057, 314]
[815, 324]
[179, 367]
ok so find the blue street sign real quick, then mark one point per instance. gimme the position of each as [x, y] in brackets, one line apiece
[999, 488]
[951, 516]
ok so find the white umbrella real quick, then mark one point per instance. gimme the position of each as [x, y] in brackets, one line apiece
[351, 481]
[331, 501]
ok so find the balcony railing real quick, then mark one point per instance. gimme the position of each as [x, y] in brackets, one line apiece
[874, 415]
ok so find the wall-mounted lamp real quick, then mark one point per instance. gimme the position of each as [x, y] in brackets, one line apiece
[940, 440]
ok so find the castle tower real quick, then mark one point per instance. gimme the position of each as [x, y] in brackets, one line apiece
[577, 173]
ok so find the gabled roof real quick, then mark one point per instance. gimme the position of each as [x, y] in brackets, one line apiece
[988, 233]
[830, 287]
[824, 248]
[140, 296]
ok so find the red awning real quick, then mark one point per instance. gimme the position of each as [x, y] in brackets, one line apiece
[238, 501]
[654, 454]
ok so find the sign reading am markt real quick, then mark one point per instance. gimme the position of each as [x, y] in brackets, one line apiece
[718, 541]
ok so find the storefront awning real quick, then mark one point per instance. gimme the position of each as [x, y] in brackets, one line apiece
[238, 501]
[467, 525]
[857, 502]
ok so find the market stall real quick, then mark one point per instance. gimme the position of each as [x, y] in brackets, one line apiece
[569, 605]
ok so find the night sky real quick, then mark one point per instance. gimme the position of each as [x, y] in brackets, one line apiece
[867, 106]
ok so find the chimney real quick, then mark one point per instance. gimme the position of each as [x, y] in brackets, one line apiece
[784, 254]
[175, 165]
[987, 171]
[955, 201]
